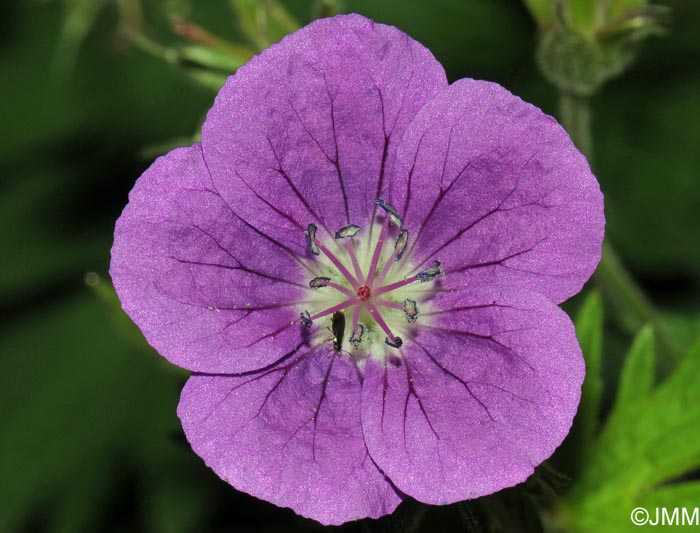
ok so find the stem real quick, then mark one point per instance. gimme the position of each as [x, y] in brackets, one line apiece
[575, 115]
[632, 305]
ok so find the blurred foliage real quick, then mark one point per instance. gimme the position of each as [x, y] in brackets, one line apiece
[650, 441]
[90, 441]
[584, 43]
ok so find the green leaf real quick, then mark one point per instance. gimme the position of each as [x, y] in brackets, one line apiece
[582, 15]
[637, 377]
[264, 22]
[541, 10]
[589, 330]
[77, 404]
[211, 58]
[651, 438]
[677, 495]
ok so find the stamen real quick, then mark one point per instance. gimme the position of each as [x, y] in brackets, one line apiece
[356, 317]
[377, 252]
[395, 285]
[396, 343]
[357, 334]
[411, 309]
[338, 264]
[399, 248]
[391, 211]
[392, 305]
[347, 231]
[342, 305]
[355, 263]
[430, 273]
[305, 319]
[310, 235]
[378, 318]
[320, 281]
[401, 242]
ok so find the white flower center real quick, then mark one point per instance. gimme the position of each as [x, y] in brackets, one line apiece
[364, 293]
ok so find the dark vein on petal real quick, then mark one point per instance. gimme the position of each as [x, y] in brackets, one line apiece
[238, 267]
[336, 160]
[385, 382]
[268, 335]
[403, 96]
[280, 170]
[441, 196]
[265, 368]
[495, 261]
[470, 308]
[488, 338]
[385, 148]
[270, 205]
[318, 405]
[308, 132]
[412, 392]
[456, 377]
[407, 201]
[255, 376]
[264, 235]
[485, 384]
[214, 190]
[447, 155]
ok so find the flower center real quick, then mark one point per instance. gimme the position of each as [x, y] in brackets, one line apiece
[363, 293]
[368, 283]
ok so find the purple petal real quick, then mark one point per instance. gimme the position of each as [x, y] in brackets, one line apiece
[209, 291]
[291, 435]
[488, 390]
[495, 189]
[306, 131]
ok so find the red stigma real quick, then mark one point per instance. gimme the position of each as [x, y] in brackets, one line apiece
[363, 293]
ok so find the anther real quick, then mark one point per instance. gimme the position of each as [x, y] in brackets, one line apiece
[430, 273]
[401, 242]
[356, 337]
[320, 281]
[411, 309]
[305, 318]
[391, 212]
[347, 231]
[396, 343]
[310, 235]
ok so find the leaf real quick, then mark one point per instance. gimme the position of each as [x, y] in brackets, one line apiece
[677, 495]
[589, 330]
[637, 377]
[78, 405]
[264, 22]
[541, 10]
[652, 438]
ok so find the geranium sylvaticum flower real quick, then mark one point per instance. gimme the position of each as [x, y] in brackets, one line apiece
[360, 264]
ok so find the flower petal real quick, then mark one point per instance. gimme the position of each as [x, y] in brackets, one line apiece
[209, 291]
[306, 130]
[291, 435]
[498, 193]
[488, 390]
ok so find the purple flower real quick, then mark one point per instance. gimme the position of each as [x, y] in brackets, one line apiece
[360, 264]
